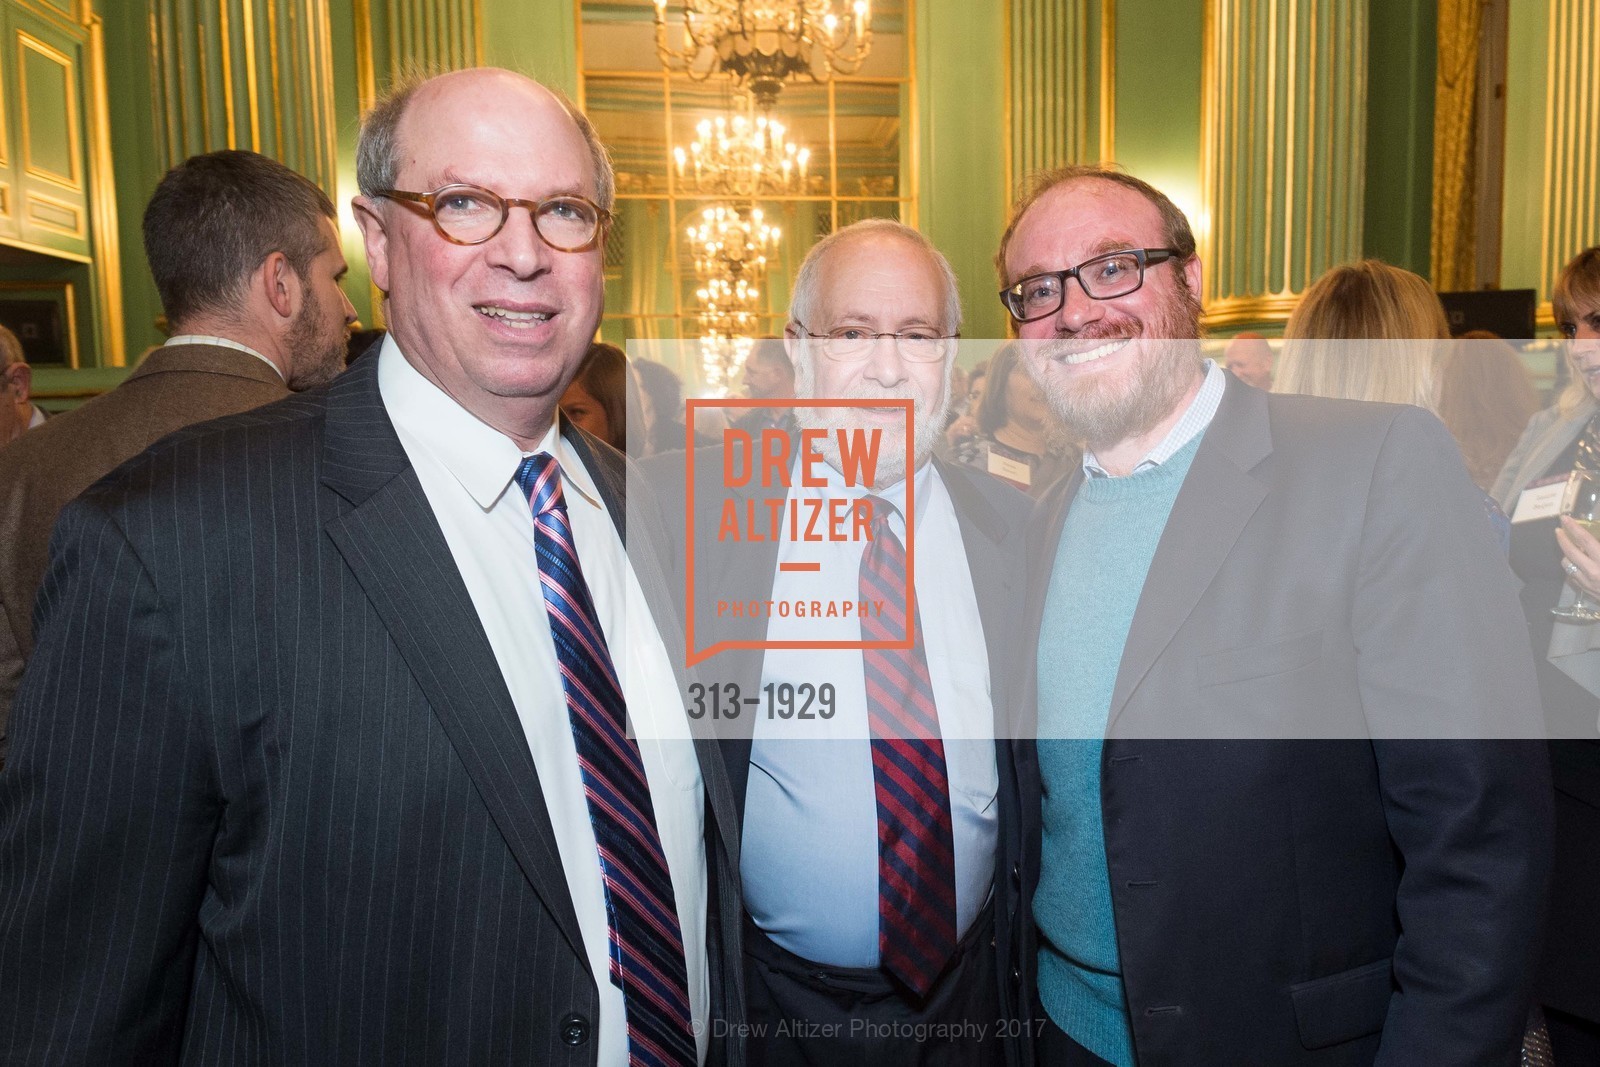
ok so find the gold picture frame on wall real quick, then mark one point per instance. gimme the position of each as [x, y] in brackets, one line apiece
[44, 317]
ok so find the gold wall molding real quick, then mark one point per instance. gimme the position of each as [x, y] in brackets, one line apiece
[1283, 139]
[75, 19]
[1061, 100]
[77, 200]
[73, 178]
[61, 216]
[250, 74]
[5, 133]
[1569, 214]
[104, 241]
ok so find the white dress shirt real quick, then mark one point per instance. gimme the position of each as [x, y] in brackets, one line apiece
[810, 845]
[467, 470]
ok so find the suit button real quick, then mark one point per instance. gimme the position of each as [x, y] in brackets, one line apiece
[574, 1029]
[1016, 874]
[1016, 975]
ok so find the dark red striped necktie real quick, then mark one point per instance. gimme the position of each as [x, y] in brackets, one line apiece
[916, 846]
[647, 956]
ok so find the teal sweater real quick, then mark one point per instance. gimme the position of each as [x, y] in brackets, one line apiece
[1106, 546]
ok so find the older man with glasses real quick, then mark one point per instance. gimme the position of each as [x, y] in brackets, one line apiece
[870, 834]
[370, 761]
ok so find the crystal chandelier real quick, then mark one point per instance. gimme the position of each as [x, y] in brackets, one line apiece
[760, 44]
[730, 314]
[730, 242]
[742, 156]
[730, 247]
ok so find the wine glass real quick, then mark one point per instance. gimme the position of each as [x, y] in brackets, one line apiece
[1582, 502]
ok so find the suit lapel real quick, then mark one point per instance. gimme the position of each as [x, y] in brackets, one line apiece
[393, 545]
[983, 530]
[751, 569]
[1554, 444]
[1217, 499]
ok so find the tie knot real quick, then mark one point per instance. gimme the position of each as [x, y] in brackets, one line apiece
[539, 477]
[882, 512]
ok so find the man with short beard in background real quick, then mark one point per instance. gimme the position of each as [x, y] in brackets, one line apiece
[247, 261]
[1230, 575]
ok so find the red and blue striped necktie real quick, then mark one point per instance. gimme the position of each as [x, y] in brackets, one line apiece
[647, 957]
[916, 845]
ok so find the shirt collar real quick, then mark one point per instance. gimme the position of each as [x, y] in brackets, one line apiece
[1202, 409]
[221, 342]
[894, 493]
[481, 458]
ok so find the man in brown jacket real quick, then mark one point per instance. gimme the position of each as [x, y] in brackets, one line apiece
[247, 261]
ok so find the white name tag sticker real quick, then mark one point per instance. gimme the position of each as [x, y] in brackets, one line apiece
[1013, 470]
[1540, 502]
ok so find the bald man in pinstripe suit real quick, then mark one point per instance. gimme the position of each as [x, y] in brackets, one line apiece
[295, 773]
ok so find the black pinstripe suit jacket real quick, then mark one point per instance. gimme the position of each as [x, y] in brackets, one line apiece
[269, 800]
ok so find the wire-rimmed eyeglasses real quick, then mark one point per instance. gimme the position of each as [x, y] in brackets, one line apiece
[848, 344]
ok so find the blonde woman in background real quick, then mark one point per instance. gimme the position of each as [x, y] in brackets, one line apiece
[1365, 301]
[1386, 324]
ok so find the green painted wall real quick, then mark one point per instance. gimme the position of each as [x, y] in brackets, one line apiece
[1402, 49]
[961, 115]
[537, 37]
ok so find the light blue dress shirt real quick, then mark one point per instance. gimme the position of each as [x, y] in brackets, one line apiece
[810, 845]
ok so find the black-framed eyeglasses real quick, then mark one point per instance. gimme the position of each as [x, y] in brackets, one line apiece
[470, 215]
[1104, 277]
[848, 344]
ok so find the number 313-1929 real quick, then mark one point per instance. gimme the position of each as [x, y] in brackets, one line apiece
[781, 700]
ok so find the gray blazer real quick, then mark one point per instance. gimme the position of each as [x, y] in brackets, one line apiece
[1547, 436]
[1335, 903]
[1573, 649]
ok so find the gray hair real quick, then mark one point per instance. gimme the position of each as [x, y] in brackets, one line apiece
[803, 297]
[378, 146]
